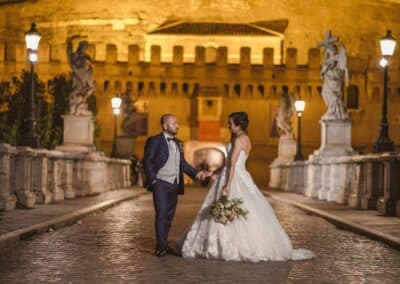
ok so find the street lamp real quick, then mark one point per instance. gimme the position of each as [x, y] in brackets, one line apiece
[299, 105]
[29, 136]
[115, 104]
[384, 144]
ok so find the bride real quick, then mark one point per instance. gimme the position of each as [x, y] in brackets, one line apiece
[260, 237]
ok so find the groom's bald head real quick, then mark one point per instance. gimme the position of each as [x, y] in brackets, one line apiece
[169, 123]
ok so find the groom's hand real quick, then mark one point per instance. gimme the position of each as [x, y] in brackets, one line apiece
[202, 175]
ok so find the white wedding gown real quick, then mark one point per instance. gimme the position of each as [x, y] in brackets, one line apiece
[260, 237]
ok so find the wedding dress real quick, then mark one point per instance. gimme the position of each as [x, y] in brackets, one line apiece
[260, 237]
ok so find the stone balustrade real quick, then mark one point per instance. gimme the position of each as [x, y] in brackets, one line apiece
[370, 182]
[29, 176]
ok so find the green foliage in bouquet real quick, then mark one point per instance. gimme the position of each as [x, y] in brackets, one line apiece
[225, 210]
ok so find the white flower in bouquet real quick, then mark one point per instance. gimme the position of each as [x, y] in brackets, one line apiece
[226, 210]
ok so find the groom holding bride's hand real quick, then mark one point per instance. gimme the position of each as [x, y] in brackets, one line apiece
[164, 165]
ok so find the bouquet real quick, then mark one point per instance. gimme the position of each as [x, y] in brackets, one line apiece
[226, 210]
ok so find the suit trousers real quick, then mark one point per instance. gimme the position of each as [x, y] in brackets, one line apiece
[165, 197]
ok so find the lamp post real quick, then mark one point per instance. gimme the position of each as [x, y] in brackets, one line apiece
[384, 144]
[116, 104]
[299, 105]
[29, 136]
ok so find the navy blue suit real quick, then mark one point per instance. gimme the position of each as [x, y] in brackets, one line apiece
[165, 195]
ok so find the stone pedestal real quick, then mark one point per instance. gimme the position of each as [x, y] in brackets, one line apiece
[22, 177]
[78, 134]
[7, 198]
[335, 141]
[125, 147]
[287, 148]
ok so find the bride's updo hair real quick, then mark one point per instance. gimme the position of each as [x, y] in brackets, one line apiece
[241, 119]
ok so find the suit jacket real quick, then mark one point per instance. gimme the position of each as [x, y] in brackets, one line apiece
[156, 155]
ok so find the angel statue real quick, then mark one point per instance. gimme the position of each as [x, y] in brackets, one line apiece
[82, 77]
[334, 70]
[128, 114]
[284, 115]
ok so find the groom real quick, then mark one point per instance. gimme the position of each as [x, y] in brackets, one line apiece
[164, 166]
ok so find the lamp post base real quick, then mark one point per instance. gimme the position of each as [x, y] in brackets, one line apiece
[383, 146]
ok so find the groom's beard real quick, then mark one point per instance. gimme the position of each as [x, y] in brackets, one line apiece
[172, 132]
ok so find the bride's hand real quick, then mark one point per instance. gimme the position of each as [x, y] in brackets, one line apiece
[225, 191]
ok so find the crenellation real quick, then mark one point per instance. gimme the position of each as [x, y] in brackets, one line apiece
[155, 58]
[314, 58]
[133, 54]
[177, 56]
[222, 56]
[200, 56]
[291, 58]
[245, 56]
[268, 58]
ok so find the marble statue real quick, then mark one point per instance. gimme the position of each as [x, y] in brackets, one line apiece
[284, 115]
[334, 72]
[128, 111]
[82, 77]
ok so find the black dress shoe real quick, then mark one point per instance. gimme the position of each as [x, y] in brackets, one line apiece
[160, 252]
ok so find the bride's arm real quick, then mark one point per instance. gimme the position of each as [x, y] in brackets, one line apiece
[235, 154]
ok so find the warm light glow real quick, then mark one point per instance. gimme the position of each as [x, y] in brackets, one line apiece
[383, 62]
[116, 102]
[388, 43]
[116, 111]
[300, 105]
[118, 26]
[32, 38]
[33, 57]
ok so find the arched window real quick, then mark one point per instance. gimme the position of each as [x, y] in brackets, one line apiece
[226, 90]
[106, 85]
[174, 89]
[249, 91]
[273, 91]
[237, 89]
[319, 89]
[140, 88]
[152, 88]
[117, 86]
[185, 89]
[261, 89]
[352, 97]
[163, 86]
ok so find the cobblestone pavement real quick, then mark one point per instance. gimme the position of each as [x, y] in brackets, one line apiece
[116, 246]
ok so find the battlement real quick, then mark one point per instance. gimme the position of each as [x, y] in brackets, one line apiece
[133, 54]
[209, 66]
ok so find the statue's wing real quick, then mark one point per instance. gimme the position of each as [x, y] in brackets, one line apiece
[342, 62]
